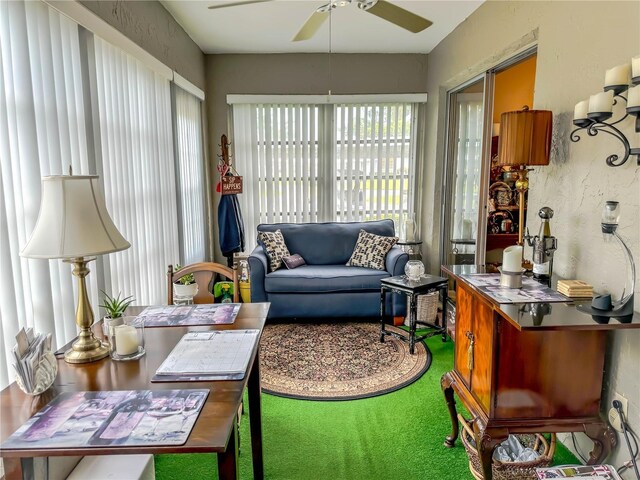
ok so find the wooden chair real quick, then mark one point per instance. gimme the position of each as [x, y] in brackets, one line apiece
[204, 274]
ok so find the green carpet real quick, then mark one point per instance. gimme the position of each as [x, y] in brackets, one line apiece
[395, 436]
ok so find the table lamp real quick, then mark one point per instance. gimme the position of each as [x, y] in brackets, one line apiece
[525, 140]
[74, 225]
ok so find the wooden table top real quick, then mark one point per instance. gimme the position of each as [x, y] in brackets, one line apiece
[213, 427]
[539, 316]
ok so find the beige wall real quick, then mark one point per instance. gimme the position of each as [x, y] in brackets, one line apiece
[577, 42]
[153, 28]
[300, 74]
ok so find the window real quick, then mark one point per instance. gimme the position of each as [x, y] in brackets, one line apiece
[309, 162]
[49, 68]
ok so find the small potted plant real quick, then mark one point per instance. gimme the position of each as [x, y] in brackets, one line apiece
[115, 306]
[186, 286]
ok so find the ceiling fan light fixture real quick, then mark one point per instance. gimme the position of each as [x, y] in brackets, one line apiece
[333, 4]
[366, 4]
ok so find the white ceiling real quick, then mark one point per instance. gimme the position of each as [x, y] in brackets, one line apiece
[269, 27]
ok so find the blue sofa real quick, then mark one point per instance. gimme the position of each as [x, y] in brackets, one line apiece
[325, 287]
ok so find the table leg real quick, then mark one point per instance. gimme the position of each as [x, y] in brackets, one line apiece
[255, 419]
[228, 460]
[446, 384]
[604, 440]
[413, 312]
[443, 324]
[382, 313]
[18, 468]
[488, 440]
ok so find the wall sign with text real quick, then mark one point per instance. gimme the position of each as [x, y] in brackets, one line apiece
[231, 185]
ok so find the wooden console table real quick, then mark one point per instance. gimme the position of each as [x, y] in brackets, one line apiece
[526, 368]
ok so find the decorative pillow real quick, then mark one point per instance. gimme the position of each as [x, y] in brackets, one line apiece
[371, 250]
[293, 261]
[274, 247]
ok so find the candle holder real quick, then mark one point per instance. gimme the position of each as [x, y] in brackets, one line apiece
[511, 279]
[596, 122]
[126, 338]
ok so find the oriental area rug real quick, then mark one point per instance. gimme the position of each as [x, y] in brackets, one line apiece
[336, 361]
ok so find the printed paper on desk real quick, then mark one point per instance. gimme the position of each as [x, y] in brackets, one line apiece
[213, 352]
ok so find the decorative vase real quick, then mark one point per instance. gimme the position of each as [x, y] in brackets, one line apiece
[408, 228]
[414, 269]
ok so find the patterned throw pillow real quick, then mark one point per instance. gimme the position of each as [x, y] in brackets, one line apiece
[371, 250]
[274, 247]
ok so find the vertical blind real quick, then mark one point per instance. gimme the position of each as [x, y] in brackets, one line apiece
[374, 160]
[468, 158]
[45, 127]
[137, 160]
[42, 132]
[190, 168]
[325, 162]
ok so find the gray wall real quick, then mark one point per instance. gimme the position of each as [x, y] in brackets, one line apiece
[153, 28]
[303, 74]
[577, 42]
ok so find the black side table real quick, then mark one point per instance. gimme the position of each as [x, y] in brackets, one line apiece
[413, 289]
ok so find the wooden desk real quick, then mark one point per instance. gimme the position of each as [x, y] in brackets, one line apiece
[526, 368]
[215, 430]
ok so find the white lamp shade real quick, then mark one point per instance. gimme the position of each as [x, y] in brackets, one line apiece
[73, 221]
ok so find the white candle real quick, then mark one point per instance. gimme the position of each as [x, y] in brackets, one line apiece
[601, 102]
[635, 66]
[634, 97]
[126, 340]
[581, 110]
[512, 259]
[617, 75]
[496, 130]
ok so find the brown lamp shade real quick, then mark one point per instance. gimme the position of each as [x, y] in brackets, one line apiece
[525, 138]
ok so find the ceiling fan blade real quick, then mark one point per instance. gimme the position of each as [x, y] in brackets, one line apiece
[399, 16]
[237, 4]
[311, 26]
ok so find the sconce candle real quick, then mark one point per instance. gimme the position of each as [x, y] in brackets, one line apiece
[635, 69]
[617, 75]
[581, 110]
[634, 97]
[601, 102]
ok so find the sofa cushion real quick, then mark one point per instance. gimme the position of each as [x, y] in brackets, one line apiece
[275, 247]
[324, 278]
[326, 243]
[371, 250]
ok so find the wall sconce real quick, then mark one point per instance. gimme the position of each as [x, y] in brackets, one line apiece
[591, 115]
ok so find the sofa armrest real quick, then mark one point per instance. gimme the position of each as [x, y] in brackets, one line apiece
[396, 260]
[257, 273]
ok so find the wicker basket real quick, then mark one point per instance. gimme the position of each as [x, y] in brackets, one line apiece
[509, 470]
[427, 308]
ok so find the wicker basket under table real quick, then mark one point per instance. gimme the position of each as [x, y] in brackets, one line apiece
[509, 470]
[427, 308]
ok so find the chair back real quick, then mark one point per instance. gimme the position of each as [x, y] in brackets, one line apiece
[204, 274]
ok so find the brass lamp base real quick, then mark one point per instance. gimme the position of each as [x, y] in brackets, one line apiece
[85, 352]
[87, 348]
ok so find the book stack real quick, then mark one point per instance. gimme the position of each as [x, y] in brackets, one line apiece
[575, 288]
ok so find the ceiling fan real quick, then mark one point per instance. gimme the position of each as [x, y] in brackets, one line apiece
[380, 8]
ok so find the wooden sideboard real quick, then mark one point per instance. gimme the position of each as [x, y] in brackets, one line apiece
[526, 368]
